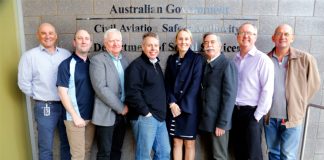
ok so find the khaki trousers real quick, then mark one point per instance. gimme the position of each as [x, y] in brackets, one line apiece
[80, 139]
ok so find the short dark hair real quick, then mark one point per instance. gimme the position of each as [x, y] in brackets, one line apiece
[207, 34]
[211, 33]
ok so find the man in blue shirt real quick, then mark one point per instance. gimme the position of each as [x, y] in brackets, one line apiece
[37, 74]
[77, 96]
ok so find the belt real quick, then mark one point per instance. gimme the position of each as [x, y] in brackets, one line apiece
[47, 102]
[239, 107]
[282, 120]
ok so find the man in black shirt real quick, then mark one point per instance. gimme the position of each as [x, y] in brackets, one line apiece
[146, 99]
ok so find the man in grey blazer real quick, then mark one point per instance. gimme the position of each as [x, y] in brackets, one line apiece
[107, 78]
[219, 87]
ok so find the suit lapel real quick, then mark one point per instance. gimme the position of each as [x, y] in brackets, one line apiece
[111, 66]
[124, 61]
[209, 67]
[183, 71]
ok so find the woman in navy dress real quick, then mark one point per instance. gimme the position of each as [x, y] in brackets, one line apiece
[183, 75]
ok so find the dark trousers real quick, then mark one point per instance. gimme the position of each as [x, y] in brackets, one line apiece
[246, 134]
[110, 139]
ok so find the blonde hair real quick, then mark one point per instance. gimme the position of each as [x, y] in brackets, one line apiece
[185, 30]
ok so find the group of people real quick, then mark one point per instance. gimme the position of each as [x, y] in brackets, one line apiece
[225, 99]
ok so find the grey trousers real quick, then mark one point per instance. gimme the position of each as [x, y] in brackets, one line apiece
[220, 146]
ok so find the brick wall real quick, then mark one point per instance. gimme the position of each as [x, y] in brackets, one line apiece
[220, 16]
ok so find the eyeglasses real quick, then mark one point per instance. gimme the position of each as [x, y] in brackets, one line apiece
[246, 33]
[286, 34]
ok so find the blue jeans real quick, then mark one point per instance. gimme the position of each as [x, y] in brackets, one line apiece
[282, 142]
[46, 126]
[151, 134]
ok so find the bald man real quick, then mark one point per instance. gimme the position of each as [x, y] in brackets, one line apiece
[77, 96]
[296, 81]
[37, 74]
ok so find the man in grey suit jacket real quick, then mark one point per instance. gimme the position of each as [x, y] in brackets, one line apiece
[107, 78]
[219, 87]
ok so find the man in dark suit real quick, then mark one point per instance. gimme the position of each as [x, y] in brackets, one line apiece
[219, 86]
[107, 78]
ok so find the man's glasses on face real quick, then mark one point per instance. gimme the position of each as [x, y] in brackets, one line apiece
[279, 34]
[246, 33]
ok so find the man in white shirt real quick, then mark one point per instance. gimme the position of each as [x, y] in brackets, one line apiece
[254, 94]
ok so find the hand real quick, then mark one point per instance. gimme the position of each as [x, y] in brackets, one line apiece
[256, 119]
[149, 114]
[175, 109]
[219, 132]
[125, 110]
[79, 122]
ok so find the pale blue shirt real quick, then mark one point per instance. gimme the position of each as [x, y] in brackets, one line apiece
[255, 81]
[120, 71]
[37, 72]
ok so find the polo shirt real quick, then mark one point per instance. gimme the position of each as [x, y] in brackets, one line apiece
[73, 73]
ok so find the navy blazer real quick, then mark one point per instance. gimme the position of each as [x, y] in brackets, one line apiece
[219, 88]
[182, 87]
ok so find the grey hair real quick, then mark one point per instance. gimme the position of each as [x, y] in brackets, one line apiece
[248, 23]
[111, 31]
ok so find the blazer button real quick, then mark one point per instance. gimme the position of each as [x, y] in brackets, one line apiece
[181, 91]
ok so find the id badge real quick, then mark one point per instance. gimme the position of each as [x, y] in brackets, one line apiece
[47, 110]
